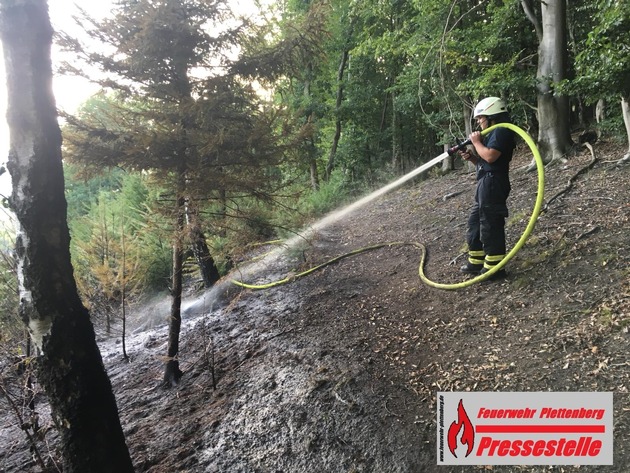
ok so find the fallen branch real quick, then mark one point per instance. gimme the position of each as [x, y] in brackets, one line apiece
[587, 233]
[569, 185]
[451, 195]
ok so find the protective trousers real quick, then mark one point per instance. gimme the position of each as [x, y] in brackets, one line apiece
[486, 224]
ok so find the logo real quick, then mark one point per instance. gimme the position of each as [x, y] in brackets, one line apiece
[518, 428]
[463, 423]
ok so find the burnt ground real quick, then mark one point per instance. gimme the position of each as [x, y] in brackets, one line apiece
[338, 371]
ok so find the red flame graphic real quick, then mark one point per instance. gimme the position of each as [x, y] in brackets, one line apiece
[468, 436]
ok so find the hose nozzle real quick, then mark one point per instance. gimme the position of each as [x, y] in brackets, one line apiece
[458, 147]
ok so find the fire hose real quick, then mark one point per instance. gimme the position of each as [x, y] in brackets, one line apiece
[451, 286]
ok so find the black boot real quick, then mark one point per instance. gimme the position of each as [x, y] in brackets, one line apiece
[500, 274]
[474, 265]
[470, 268]
[490, 262]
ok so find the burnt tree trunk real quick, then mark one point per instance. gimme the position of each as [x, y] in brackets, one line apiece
[172, 372]
[205, 261]
[70, 367]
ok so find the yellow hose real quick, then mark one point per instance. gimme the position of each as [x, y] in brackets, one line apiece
[309, 271]
[493, 270]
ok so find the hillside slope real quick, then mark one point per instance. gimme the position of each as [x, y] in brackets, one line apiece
[338, 371]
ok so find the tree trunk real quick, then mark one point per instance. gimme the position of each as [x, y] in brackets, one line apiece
[554, 134]
[396, 159]
[468, 112]
[625, 108]
[311, 148]
[207, 267]
[449, 162]
[70, 367]
[600, 115]
[313, 168]
[172, 373]
[335, 143]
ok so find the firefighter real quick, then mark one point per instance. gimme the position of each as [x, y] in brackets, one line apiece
[491, 155]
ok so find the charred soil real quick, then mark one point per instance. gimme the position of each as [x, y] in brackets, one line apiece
[338, 371]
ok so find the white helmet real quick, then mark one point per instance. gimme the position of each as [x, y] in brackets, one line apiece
[490, 106]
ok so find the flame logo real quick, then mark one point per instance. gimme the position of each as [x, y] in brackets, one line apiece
[468, 436]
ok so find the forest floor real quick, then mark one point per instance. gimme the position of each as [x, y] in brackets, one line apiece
[338, 371]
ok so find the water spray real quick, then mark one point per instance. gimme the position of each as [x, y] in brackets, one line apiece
[397, 183]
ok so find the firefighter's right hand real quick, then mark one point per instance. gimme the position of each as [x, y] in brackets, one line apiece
[469, 155]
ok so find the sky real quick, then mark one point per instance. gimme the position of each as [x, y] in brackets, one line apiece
[70, 92]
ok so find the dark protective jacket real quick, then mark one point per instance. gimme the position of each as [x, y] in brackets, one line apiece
[486, 224]
[501, 139]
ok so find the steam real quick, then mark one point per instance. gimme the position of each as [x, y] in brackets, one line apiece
[271, 266]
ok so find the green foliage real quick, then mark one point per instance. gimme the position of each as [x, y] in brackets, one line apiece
[83, 188]
[223, 250]
[118, 242]
[330, 195]
[414, 70]
[603, 62]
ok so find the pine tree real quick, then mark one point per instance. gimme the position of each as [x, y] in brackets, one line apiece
[178, 113]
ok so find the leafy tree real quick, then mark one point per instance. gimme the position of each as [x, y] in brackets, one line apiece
[603, 64]
[287, 53]
[83, 187]
[70, 366]
[380, 133]
[124, 208]
[111, 255]
[382, 37]
[343, 42]
[444, 65]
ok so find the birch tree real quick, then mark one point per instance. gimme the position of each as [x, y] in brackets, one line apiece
[69, 366]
